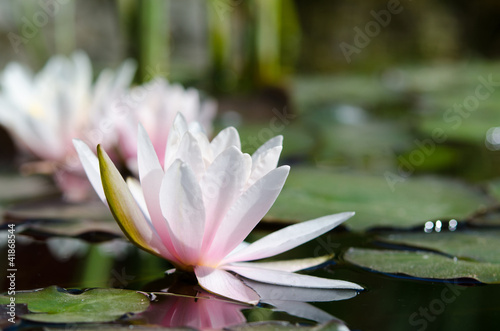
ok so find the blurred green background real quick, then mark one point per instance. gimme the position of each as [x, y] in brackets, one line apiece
[358, 85]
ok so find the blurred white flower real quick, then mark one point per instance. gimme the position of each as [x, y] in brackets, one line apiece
[43, 112]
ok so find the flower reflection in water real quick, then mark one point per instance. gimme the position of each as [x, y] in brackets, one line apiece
[183, 303]
[201, 312]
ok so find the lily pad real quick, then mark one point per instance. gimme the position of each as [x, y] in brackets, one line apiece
[373, 139]
[469, 126]
[297, 140]
[494, 188]
[310, 192]
[360, 90]
[423, 264]
[480, 246]
[57, 305]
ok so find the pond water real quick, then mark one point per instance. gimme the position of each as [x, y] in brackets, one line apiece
[390, 302]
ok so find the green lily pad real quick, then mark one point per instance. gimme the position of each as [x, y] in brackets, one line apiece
[297, 140]
[365, 139]
[480, 246]
[423, 264]
[56, 305]
[471, 127]
[310, 192]
[494, 188]
[360, 90]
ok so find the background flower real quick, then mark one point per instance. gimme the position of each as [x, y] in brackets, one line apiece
[155, 105]
[44, 111]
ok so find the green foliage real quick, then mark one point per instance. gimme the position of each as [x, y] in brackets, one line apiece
[311, 192]
[423, 264]
[56, 305]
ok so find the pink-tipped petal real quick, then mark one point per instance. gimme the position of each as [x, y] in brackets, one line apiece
[246, 212]
[223, 283]
[151, 174]
[288, 238]
[285, 278]
[182, 206]
[225, 139]
[91, 166]
[221, 185]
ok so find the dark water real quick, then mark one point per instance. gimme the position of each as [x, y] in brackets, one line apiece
[389, 302]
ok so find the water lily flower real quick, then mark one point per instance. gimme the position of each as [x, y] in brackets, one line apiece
[43, 112]
[196, 209]
[155, 105]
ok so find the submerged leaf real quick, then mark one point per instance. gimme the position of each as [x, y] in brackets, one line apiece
[56, 305]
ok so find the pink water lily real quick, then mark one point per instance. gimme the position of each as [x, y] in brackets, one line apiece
[197, 209]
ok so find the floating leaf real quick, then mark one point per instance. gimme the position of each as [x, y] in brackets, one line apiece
[423, 264]
[494, 188]
[56, 305]
[311, 192]
[481, 246]
[298, 141]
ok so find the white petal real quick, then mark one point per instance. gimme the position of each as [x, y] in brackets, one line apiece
[221, 185]
[263, 163]
[284, 278]
[271, 143]
[246, 212]
[91, 166]
[241, 246]
[288, 238]
[225, 139]
[206, 150]
[124, 75]
[223, 283]
[190, 153]
[182, 206]
[135, 188]
[285, 265]
[177, 131]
